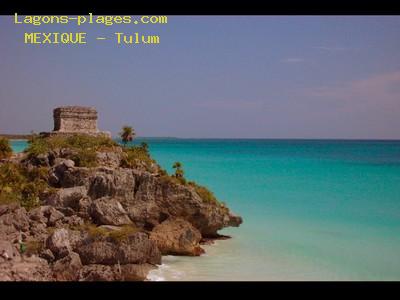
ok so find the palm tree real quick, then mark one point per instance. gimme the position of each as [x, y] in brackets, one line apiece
[145, 146]
[127, 134]
[178, 169]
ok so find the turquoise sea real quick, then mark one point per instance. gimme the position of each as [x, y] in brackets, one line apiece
[312, 209]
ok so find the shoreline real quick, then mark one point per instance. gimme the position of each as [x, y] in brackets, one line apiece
[16, 137]
[168, 271]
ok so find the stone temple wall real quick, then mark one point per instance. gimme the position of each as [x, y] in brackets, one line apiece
[75, 119]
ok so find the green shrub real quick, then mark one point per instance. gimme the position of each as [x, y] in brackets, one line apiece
[123, 233]
[82, 146]
[5, 148]
[98, 233]
[84, 158]
[204, 193]
[95, 232]
[136, 156]
[127, 134]
[178, 178]
[23, 186]
[171, 179]
[33, 247]
[179, 173]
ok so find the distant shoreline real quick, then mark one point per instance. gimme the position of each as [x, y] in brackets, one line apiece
[16, 137]
[23, 137]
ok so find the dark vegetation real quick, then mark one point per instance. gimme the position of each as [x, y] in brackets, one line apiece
[5, 148]
[19, 184]
[100, 233]
[137, 156]
[127, 134]
[28, 186]
[82, 147]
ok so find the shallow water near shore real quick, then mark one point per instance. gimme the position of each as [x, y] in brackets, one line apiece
[312, 209]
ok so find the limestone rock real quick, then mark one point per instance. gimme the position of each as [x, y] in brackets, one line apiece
[38, 230]
[15, 216]
[129, 272]
[58, 242]
[67, 197]
[112, 182]
[47, 255]
[67, 268]
[74, 220]
[45, 214]
[99, 273]
[136, 272]
[30, 269]
[65, 175]
[8, 251]
[157, 199]
[60, 166]
[75, 177]
[177, 237]
[136, 249]
[106, 211]
[110, 158]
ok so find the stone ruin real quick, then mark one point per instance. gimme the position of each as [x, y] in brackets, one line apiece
[76, 119]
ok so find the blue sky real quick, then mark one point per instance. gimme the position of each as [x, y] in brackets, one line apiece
[219, 76]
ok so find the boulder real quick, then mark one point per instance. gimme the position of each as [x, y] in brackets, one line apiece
[46, 214]
[15, 216]
[9, 233]
[177, 237]
[106, 211]
[38, 214]
[110, 159]
[59, 244]
[112, 183]
[135, 249]
[66, 176]
[157, 199]
[67, 197]
[60, 166]
[47, 255]
[54, 217]
[74, 221]
[129, 272]
[38, 230]
[76, 238]
[99, 273]
[135, 272]
[8, 251]
[67, 268]
[29, 269]
[8, 208]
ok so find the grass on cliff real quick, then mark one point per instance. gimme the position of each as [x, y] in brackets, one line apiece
[100, 233]
[34, 247]
[23, 186]
[5, 148]
[178, 178]
[136, 156]
[83, 147]
[204, 193]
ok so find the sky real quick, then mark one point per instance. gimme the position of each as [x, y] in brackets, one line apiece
[213, 77]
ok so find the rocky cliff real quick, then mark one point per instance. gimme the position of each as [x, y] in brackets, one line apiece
[86, 210]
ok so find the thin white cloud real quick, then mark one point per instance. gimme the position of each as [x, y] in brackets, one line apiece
[293, 60]
[380, 91]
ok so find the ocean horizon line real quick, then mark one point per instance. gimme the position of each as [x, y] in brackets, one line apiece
[233, 138]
